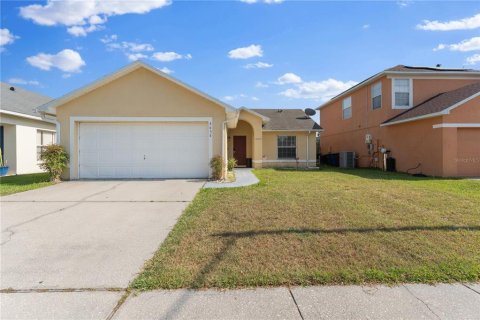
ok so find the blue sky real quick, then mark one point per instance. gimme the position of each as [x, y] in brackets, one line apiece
[290, 54]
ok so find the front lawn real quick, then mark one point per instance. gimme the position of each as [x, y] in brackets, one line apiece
[23, 182]
[323, 227]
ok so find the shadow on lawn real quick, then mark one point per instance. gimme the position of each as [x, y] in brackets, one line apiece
[230, 239]
[367, 173]
[302, 231]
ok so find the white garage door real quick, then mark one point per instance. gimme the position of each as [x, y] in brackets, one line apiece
[143, 150]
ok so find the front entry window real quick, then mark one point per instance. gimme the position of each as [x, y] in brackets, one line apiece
[287, 147]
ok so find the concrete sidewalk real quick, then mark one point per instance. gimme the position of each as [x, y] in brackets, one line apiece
[412, 301]
[243, 177]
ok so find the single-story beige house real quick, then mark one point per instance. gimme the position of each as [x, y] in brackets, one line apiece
[23, 132]
[142, 123]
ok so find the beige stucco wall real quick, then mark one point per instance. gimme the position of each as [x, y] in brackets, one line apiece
[140, 93]
[20, 142]
[250, 125]
[270, 151]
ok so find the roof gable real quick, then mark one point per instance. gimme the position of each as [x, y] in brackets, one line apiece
[440, 104]
[407, 71]
[51, 106]
[287, 120]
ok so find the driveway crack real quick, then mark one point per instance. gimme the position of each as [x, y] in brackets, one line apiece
[76, 203]
[423, 302]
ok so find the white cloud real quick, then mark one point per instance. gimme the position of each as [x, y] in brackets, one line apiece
[23, 81]
[170, 56]
[465, 45]
[109, 39]
[321, 90]
[136, 56]
[79, 31]
[366, 26]
[473, 59]
[258, 65]
[130, 46]
[166, 70]
[66, 60]
[6, 37]
[239, 96]
[85, 16]
[251, 51]
[404, 3]
[462, 24]
[255, 99]
[260, 84]
[289, 78]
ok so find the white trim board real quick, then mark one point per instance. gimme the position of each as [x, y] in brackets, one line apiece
[456, 125]
[17, 114]
[79, 119]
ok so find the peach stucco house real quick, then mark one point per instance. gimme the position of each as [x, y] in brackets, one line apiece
[142, 123]
[428, 119]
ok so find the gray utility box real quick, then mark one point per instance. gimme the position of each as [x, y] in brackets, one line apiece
[347, 159]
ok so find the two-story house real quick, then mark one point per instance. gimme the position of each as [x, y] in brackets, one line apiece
[427, 119]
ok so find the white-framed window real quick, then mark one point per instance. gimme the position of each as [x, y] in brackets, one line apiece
[377, 96]
[347, 108]
[44, 138]
[287, 147]
[401, 93]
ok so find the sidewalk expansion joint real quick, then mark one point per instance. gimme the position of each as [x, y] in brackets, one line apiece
[120, 302]
[52, 290]
[295, 301]
[467, 286]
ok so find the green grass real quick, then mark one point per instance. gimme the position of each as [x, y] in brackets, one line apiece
[323, 227]
[23, 182]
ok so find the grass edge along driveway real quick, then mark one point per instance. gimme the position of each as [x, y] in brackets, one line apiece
[23, 182]
[323, 227]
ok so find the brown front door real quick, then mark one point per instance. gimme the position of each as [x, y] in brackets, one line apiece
[240, 150]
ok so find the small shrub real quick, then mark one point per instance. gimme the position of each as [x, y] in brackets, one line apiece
[54, 160]
[232, 163]
[217, 167]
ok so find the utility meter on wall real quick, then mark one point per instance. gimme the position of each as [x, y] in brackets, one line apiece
[368, 138]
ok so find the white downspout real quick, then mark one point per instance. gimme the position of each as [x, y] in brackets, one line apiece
[224, 142]
[308, 142]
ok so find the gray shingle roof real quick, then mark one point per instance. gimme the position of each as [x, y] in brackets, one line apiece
[438, 103]
[403, 68]
[287, 119]
[21, 100]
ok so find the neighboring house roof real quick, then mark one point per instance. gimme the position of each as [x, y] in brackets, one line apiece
[21, 102]
[440, 104]
[52, 105]
[287, 120]
[402, 68]
[406, 71]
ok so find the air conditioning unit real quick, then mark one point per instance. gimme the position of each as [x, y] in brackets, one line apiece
[347, 160]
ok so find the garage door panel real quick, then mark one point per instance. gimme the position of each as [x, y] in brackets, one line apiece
[143, 150]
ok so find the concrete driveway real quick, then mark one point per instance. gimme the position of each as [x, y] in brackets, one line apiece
[86, 235]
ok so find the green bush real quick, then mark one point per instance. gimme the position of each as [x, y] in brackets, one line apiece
[54, 160]
[217, 167]
[232, 163]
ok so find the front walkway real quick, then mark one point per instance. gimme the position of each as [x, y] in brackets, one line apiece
[244, 177]
[413, 301]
